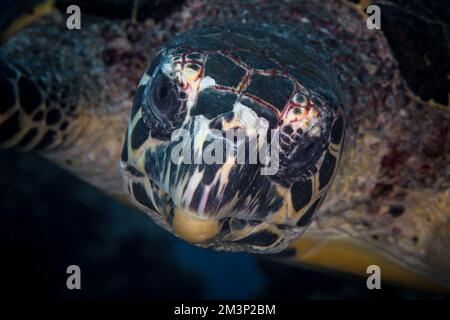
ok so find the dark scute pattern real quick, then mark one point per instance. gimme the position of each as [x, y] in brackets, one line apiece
[38, 116]
[141, 196]
[7, 96]
[53, 116]
[47, 140]
[262, 111]
[196, 197]
[225, 227]
[213, 103]
[296, 57]
[30, 96]
[124, 154]
[337, 130]
[64, 125]
[27, 138]
[214, 199]
[238, 224]
[158, 162]
[248, 182]
[326, 170]
[275, 90]
[295, 162]
[216, 124]
[255, 60]
[307, 216]
[210, 171]
[174, 169]
[137, 101]
[288, 129]
[135, 172]
[224, 71]
[301, 156]
[139, 134]
[262, 239]
[301, 193]
[10, 127]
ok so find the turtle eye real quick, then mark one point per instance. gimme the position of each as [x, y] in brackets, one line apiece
[162, 104]
[164, 95]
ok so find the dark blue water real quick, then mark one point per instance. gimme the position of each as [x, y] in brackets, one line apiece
[50, 220]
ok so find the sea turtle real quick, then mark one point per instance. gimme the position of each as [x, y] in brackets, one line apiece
[363, 161]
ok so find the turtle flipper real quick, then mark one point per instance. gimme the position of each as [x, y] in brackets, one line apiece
[348, 255]
[67, 93]
[28, 121]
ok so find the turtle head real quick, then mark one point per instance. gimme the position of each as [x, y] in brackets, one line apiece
[225, 147]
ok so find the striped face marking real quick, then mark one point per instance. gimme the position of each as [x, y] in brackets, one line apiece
[205, 91]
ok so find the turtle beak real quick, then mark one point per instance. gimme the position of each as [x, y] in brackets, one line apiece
[187, 181]
[190, 227]
[192, 195]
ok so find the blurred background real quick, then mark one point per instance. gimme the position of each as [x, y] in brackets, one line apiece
[50, 219]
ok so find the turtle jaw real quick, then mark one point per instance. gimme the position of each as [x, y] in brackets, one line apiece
[227, 223]
[227, 206]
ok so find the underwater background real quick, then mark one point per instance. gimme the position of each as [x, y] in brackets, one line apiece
[50, 219]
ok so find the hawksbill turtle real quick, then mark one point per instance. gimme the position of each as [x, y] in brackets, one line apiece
[363, 159]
